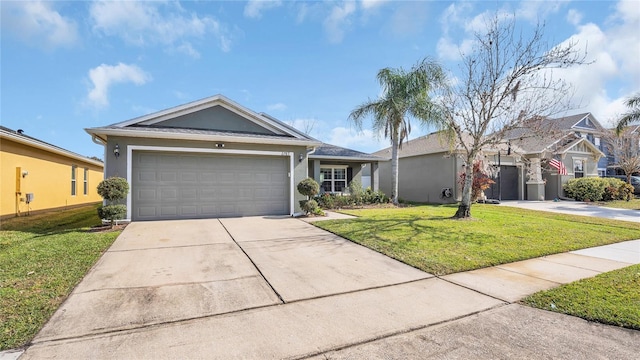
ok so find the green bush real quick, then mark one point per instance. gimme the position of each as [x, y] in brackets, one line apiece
[308, 187]
[113, 189]
[112, 212]
[587, 188]
[358, 197]
[625, 191]
[309, 206]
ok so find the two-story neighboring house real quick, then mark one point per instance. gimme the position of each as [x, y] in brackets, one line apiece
[586, 126]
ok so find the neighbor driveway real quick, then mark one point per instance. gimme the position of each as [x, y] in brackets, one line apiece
[577, 208]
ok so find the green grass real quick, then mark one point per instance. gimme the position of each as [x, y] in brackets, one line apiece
[42, 258]
[611, 298]
[427, 238]
[621, 204]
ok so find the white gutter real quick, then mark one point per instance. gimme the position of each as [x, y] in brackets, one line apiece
[200, 137]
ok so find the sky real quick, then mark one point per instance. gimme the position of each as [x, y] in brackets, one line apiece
[70, 65]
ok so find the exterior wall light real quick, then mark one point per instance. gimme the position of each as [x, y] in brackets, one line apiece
[300, 157]
[116, 151]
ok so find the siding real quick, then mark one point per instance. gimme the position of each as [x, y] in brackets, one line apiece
[49, 179]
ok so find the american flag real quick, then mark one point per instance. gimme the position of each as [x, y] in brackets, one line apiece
[555, 163]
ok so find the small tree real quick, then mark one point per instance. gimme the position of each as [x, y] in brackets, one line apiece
[112, 190]
[309, 188]
[481, 180]
[624, 146]
[505, 83]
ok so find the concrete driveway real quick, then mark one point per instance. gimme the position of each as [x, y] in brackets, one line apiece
[272, 288]
[235, 287]
[577, 208]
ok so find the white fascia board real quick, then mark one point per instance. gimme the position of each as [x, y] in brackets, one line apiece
[49, 148]
[131, 148]
[201, 137]
[343, 158]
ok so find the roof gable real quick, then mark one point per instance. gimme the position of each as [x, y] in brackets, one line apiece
[217, 117]
[176, 115]
[582, 145]
[586, 123]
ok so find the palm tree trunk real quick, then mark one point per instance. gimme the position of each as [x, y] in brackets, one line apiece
[464, 209]
[394, 168]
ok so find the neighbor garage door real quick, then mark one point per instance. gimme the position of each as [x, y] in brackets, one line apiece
[186, 185]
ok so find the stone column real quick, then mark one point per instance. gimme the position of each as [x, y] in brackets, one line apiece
[535, 184]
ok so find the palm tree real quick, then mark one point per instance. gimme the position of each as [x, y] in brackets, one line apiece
[405, 94]
[633, 103]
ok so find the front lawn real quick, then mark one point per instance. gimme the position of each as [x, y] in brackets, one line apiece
[427, 238]
[622, 204]
[611, 298]
[42, 258]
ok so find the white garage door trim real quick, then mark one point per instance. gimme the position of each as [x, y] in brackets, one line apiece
[131, 148]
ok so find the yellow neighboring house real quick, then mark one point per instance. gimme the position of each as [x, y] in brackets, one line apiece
[37, 176]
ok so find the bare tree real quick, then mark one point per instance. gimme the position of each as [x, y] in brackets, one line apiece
[506, 83]
[624, 146]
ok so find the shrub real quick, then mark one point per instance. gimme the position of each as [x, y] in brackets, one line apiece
[112, 212]
[308, 187]
[358, 198]
[113, 189]
[309, 206]
[625, 191]
[588, 188]
[356, 193]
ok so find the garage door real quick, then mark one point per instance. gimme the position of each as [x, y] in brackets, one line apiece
[187, 186]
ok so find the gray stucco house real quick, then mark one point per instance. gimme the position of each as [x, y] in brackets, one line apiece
[216, 158]
[429, 167]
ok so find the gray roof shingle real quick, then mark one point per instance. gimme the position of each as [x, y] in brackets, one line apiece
[328, 150]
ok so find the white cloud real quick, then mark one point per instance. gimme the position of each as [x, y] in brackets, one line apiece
[104, 76]
[365, 141]
[255, 8]
[38, 22]
[536, 11]
[276, 107]
[150, 23]
[338, 20]
[187, 48]
[574, 17]
[603, 85]
[371, 4]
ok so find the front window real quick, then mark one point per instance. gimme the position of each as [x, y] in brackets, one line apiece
[86, 180]
[333, 179]
[73, 180]
[578, 168]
